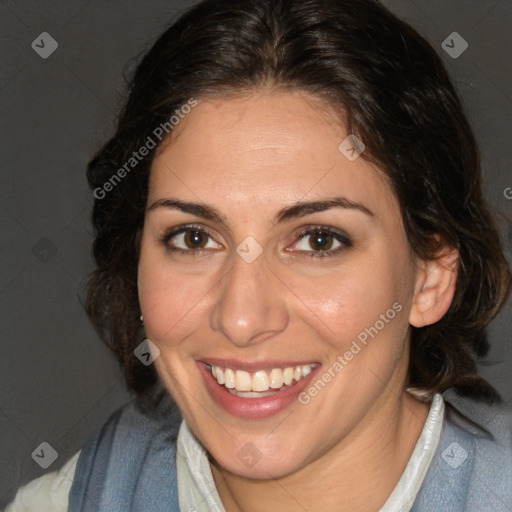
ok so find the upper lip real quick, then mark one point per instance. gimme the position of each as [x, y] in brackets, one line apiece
[252, 366]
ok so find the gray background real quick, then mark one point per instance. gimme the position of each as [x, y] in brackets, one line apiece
[57, 381]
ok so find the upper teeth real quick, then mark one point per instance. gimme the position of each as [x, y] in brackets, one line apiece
[260, 380]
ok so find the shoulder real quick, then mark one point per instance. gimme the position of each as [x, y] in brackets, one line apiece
[132, 456]
[48, 493]
[135, 425]
[126, 434]
[472, 466]
[490, 426]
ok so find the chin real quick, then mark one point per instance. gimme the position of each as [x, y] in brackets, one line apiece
[255, 465]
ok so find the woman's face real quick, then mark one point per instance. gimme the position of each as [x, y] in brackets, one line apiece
[270, 256]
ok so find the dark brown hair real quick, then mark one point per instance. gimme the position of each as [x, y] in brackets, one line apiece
[397, 98]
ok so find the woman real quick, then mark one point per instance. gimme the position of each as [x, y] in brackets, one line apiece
[292, 246]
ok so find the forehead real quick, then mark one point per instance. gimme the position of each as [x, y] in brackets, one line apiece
[268, 149]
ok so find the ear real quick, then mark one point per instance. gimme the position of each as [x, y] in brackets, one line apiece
[435, 287]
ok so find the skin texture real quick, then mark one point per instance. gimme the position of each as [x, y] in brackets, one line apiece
[248, 157]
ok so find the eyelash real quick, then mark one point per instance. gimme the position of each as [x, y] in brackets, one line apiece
[339, 236]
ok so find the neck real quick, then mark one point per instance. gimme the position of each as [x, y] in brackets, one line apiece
[356, 475]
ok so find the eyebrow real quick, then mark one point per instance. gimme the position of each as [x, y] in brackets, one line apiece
[297, 210]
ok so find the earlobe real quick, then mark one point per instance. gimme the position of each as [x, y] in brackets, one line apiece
[435, 287]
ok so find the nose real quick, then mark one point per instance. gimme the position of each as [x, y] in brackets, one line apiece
[251, 303]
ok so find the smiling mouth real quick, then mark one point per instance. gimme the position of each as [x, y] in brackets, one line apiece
[260, 383]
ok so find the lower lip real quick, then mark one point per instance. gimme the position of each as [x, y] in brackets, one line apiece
[252, 407]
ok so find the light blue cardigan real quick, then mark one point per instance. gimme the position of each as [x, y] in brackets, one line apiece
[125, 465]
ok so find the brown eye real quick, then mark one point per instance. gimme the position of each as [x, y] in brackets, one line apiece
[189, 239]
[195, 239]
[321, 241]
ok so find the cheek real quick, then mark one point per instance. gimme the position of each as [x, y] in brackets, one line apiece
[347, 299]
[364, 301]
[172, 302]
